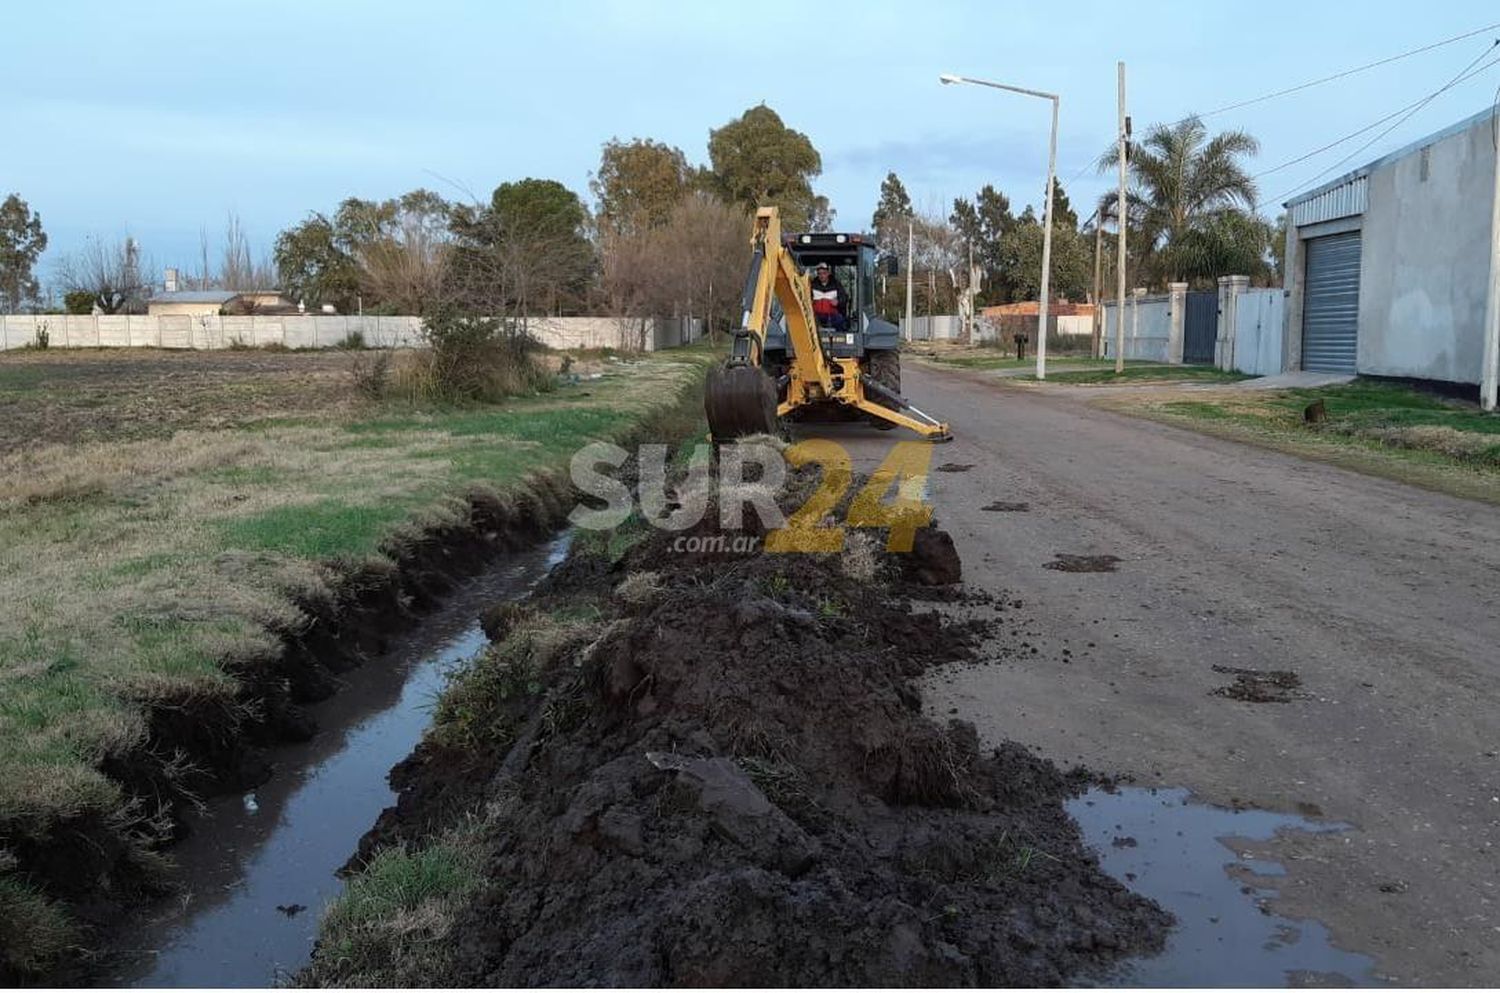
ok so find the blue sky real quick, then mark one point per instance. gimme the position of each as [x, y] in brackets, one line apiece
[157, 119]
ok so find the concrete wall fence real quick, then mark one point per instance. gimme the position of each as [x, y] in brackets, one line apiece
[321, 331]
[942, 327]
[1150, 325]
[950, 327]
[1249, 334]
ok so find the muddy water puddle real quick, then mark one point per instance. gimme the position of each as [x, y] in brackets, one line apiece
[1183, 855]
[258, 869]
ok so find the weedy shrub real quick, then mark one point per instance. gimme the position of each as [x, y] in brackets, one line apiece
[371, 373]
[43, 337]
[354, 341]
[472, 359]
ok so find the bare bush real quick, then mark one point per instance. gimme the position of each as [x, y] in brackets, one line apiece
[471, 359]
[691, 265]
[111, 273]
[371, 373]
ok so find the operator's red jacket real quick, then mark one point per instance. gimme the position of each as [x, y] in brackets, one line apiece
[828, 298]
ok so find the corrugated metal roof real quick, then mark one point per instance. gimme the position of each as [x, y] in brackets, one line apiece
[1340, 201]
[1400, 153]
[195, 296]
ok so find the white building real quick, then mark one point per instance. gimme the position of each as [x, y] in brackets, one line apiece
[1390, 268]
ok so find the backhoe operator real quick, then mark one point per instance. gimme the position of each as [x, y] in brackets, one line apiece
[829, 299]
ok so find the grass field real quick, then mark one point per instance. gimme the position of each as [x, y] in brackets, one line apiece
[161, 513]
[1382, 428]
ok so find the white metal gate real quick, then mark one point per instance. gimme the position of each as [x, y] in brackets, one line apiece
[1330, 306]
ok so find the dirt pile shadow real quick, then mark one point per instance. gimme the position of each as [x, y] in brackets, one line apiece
[724, 777]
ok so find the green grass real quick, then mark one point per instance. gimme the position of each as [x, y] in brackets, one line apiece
[1143, 373]
[1377, 427]
[133, 569]
[387, 927]
[329, 529]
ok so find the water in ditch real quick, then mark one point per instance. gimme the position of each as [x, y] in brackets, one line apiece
[1180, 853]
[258, 869]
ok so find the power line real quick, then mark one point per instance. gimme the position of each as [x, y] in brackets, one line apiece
[1405, 116]
[1347, 72]
[1415, 105]
[1319, 82]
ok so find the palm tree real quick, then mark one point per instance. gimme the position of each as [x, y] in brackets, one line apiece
[1190, 203]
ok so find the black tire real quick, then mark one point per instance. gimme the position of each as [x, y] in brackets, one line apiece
[885, 369]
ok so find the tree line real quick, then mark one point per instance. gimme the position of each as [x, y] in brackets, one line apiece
[662, 236]
[1190, 216]
[666, 237]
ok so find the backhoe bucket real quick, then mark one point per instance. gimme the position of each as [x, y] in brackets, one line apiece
[739, 400]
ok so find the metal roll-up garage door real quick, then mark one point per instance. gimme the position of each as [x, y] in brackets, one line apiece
[1330, 304]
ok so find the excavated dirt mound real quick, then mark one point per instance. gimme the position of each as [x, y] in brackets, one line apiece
[725, 778]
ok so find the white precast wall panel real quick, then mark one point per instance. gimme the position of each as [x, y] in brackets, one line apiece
[939, 327]
[182, 331]
[1148, 328]
[1259, 322]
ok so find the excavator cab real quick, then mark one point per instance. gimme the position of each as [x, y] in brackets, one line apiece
[855, 262]
[785, 362]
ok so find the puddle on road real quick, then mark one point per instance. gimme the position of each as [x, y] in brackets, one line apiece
[1162, 845]
[252, 861]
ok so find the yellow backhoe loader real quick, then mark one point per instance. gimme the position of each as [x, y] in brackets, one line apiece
[784, 363]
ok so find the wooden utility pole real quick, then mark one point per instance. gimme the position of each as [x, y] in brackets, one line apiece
[1120, 221]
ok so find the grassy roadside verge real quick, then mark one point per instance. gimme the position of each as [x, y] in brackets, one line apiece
[1378, 428]
[1142, 373]
[150, 570]
[991, 358]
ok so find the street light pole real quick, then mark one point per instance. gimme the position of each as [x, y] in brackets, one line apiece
[1121, 221]
[1046, 282]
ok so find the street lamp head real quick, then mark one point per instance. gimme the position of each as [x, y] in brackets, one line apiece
[948, 78]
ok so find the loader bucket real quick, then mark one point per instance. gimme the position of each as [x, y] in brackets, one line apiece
[739, 400]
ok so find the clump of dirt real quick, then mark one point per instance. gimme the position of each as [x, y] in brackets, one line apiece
[1259, 685]
[1083, 563]
[955, 467]
[1007, 507]
[725, 778]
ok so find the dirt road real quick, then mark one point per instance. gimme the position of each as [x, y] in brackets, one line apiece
[1382, 599]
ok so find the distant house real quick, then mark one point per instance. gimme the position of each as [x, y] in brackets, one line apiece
[1007, 320]
[211, 303]
[1030, 308]
[190, 303]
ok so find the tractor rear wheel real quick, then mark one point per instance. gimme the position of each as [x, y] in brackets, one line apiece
[885, 369]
